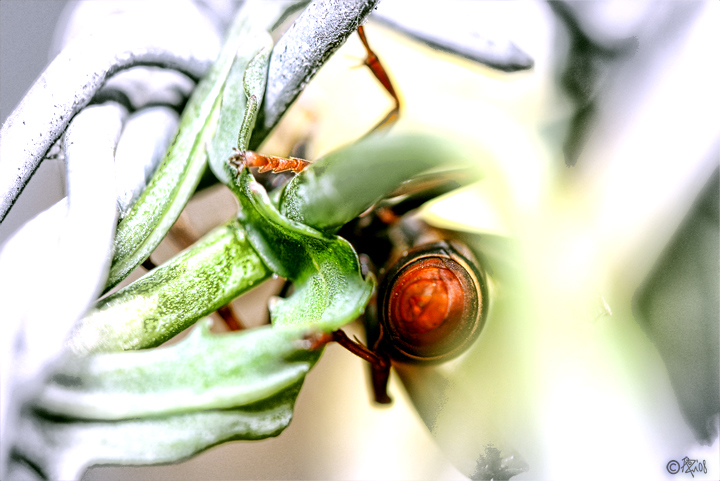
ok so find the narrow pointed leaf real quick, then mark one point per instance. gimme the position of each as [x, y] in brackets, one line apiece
[342, 185]
[204, 371]
[70, 447]
[219, 267]
[178, 175]
[246, 80]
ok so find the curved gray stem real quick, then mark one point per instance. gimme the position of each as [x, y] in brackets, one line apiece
[145, 138]
[75, 237]
[442, 31]
[317, 33]
[73, 78]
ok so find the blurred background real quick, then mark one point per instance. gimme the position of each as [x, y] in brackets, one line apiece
[594, 157]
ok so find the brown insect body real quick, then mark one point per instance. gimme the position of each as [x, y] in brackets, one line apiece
[432, 304]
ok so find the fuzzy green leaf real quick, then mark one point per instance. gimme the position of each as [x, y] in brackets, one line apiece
[342, 185]
[178, 175]
[245, 84]
[204, 371]
[329, 289]
[216, 269]
[163, 405]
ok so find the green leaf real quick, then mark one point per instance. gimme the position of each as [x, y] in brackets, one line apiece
[70, 447]
[329, 288]
[162, 405]
[216, 269]
[204, 371]
[245, 83]
[342, 185]
[178, 175]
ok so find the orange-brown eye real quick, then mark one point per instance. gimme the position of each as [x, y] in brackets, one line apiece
[433, 303]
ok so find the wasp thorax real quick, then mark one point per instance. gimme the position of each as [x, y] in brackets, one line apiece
[433, 304]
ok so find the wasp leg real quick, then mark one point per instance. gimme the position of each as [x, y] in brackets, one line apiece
[148, 264]
[231, 320]
[373, 63]
[379, 363]
[380, 376]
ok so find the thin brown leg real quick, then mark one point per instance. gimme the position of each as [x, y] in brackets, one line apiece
[379, 363]
[380, 377]
[358, 349]
[373, 63]
[148, 264]
[271, 163]
[231, 320]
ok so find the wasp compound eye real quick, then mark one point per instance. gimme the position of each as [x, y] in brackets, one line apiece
[433, 304]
